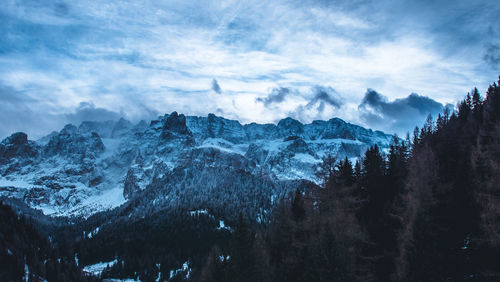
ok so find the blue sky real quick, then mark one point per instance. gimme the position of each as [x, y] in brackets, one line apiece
[67, 61]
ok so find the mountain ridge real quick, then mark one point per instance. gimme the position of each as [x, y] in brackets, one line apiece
[96, 166]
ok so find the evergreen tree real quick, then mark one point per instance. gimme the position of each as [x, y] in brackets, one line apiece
[298, 210]
[242, 260]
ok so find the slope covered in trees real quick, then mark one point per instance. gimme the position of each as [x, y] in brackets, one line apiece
[27, 255]
[428, 210]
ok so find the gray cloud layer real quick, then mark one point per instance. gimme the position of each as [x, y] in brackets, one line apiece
[21, 112]
[492, 56]
[139, 58]
[311, 104]
[277, 95]
[318, 94]
[325, 95]
[87, 111]
[399, 115]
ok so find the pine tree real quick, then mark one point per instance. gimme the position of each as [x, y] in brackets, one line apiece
[345, 173]
[242, 260]
[298, 210]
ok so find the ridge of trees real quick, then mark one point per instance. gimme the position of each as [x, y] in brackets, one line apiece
[28, 255]
[427, 210]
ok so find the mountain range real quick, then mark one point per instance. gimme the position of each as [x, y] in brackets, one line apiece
[176, 160]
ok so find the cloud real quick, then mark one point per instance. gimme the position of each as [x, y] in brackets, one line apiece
[87, 111]
[316, 94]
[277, 95]
[326, 95]
[399, 115]
[492, 56]
[216, 87]
[21, 112]
[304, 104]
[152, 57]
[37, 117]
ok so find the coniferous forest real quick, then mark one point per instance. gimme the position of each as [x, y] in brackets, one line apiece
[428, 209]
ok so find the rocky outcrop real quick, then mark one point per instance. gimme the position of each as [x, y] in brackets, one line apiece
[76, 167]
[230, 130]
[103, 128]
[298, 145]
[174, 126]
[70, 143]
[130, 186]
[121, 128]
[290, 126]
[17, 146]
[256, 131]
[257, 153]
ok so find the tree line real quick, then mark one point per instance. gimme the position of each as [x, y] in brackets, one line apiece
[426, 210]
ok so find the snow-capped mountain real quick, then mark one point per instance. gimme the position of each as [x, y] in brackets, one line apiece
[175, 160]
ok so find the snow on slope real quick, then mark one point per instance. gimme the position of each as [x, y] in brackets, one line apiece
[99, 165]
[98, 268]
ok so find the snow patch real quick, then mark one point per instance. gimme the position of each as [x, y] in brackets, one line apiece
[98, 268]
[93, 233]
[185, 268]
[224, 145]
[222, 225]
[198, 212]
[306, 158]
[17, 183]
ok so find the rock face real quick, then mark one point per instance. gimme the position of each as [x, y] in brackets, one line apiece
[130, 186]
[100, 165]
[104, 129]
[17, 145]
[70, 142]
[290, 127]
[174, 125]
[121, 128]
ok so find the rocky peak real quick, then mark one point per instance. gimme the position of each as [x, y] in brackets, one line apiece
[140, 126]
[215, 125]
[71, 142]
[256, 131]
[69, 129]
[231, 130]
[290, 126]
[103, 128]
[174, 125]
[17, 139]
[17, 145]
[121, 128]
[336, 121]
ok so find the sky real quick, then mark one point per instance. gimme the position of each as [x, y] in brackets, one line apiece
[382, 64]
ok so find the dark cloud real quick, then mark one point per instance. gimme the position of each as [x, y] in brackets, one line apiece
[277, 95]
[400, 115]
[492, 56]
[324, 95]
[86, 111]
[216, 87]
[319, 96]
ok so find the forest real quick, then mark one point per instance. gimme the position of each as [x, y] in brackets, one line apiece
[426, 210]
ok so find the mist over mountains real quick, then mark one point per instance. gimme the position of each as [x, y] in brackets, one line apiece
[98, 165]
[192, 198]
[245, 141]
